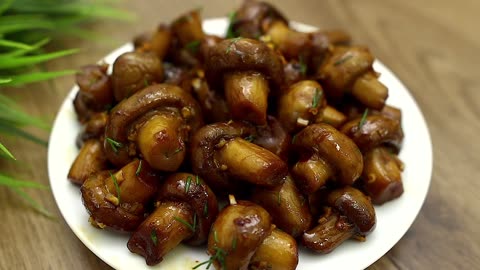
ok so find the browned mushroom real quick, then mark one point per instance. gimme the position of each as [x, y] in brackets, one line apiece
[191, 189]
[222, 156]
[382, 175]
[214, 106]
[287, 206]
[253, 17]
[186, 209]
[278, 251]
[331, 116]
[95, 94]
[351, 68]
[353, 215]
[246, 67]
[118, 200]
[133, 71]
[374, 130]
[157, 43]
[325, 153]
[236, 234]
[156, 122]
[300, 105]
[162, 231]
[91, 159]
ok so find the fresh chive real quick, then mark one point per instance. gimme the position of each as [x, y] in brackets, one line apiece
[364, 117]
[9, 181]
[114, 144]
[139, 168]
[10, 63]
[188, 183]
[342, 60]
[17, 80]
[184, 222]
[197, 179]
[233, 41]
[231, 20]
[115, 183]
[193, 46]
[153, 236]
[194, 222]
[218, 256]
[234, 243]
[250, 138]
[316, 98]
[6, 152]
[205, 210]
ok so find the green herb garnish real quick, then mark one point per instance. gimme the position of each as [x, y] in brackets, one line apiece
[115, 183]
[5, 152]
[188, 183]
[316, 98]
[215, 237]
[114, 144]
[342, 60]
[153, 236]
[231, 20]
[184, 222]
[364, 117]
[233, 41]
[139, 168]
[197, 180]
[218, 256]
[193, 46]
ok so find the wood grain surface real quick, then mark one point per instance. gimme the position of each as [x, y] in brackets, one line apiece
[432, 46]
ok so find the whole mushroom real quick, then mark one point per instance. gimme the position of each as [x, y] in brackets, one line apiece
[325, 153]
[351, 214]
[155, 123]
[118, 200]
[223, 154]
[351, 68]
[186, 209]
[249, 71]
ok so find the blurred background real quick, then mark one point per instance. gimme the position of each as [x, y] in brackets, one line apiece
[432, 46]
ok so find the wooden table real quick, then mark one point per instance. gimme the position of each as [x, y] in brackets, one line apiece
[431, 46]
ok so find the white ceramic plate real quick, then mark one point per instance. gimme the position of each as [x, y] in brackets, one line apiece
[393, 218]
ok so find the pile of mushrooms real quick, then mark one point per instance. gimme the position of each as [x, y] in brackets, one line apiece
[249, 144]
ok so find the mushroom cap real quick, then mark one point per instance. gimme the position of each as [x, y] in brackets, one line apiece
[335, 148]
[356, 206]
[375, 130]
[253, 17]
[243, 54]
[129, 112]
[132, 71]
[189, 188]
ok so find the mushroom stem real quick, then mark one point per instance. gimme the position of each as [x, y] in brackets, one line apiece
[161, 142]
[333, 230]
[249, 162]
[246, 93]
[162, 231]
[370, 91]
[331, 116]
[278, 32]
[311, 174]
